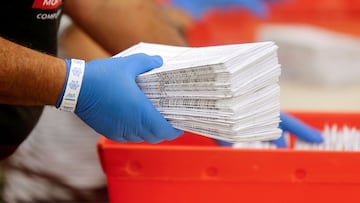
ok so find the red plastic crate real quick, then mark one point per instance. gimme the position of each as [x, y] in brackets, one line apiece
[193, 169]
[241, 26]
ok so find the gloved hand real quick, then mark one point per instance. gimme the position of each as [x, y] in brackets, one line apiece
[197, 8]
[297, 128]
[113, 105]
[294, 126]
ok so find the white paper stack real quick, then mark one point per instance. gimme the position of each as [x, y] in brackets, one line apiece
[315, 55]
[227, 92]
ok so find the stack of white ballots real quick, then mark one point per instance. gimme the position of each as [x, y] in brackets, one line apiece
[227, 92]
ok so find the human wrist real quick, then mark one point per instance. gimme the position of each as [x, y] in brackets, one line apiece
[71, 90]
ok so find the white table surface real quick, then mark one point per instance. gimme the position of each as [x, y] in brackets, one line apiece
[299, 96]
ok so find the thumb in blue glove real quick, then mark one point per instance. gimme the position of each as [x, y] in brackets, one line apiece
[113, 105]
[198, 8]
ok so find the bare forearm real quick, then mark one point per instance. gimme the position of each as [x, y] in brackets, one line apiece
[28, 77]
[118, 24]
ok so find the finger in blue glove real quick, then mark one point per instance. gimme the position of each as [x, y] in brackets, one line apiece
[299, 129]
[280, 142]
[113, 105]
[290, 124]
[223, 143]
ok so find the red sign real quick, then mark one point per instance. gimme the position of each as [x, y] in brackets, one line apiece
[46, 4]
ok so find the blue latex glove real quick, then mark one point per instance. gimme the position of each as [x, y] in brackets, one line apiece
[297, 128]
[294, 126]
[113, 105]
[197, 8]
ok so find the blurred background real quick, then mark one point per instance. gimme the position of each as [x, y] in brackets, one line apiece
[319, 48]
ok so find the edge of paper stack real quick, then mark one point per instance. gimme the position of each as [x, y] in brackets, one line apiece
[227, 92]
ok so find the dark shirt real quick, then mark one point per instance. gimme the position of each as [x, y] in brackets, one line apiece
[34, 24]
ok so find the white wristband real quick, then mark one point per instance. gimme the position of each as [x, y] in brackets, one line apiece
[73, 85]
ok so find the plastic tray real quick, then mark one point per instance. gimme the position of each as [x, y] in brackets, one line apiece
[240, 26]
[193, 169]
